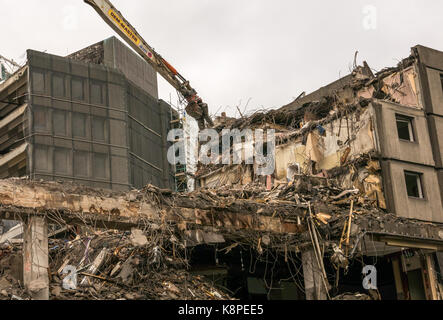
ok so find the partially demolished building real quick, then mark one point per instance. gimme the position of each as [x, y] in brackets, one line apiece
[378, 136]
[357, 187]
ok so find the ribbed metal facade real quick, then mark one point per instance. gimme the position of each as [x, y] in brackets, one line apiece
[89, 124]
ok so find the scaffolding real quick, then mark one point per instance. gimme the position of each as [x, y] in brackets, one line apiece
[183, 174]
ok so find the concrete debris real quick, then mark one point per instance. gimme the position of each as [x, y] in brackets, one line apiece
[352, 296]
[139, 279]
[37, 286]
[138, 239]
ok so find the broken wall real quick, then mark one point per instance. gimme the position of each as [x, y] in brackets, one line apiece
[403, 87]
[236, 175]
[330, 145]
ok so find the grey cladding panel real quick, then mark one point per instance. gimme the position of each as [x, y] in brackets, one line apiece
[79, 123]
[38, 81]
[99, 129]
[62, 162]
[120, 170]
[77, 89]
[101, 166]
[119, 56]
[60, 122]
[41, 155]
[82, 162]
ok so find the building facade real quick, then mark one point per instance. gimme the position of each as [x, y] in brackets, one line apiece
[395, 118]
[379, 137]
[93, 118]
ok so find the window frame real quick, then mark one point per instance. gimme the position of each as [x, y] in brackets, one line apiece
[411, 127]
[420, 185]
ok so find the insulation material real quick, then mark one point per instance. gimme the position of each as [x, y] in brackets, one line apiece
[287, 155]
[314, 147]
[402, 87]
[229, 176]
[366, 92]
[346, 140]
[373, 188]
[367, 180]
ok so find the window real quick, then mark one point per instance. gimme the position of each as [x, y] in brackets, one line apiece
[441, 79]
[414, 184]
[405, 128]
[79, 125]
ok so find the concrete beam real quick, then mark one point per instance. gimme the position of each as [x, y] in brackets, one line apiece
[76, 205]
[35, 258]
[11, 234]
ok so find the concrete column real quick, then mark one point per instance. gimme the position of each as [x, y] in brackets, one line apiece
[35, 258]
[314, 286]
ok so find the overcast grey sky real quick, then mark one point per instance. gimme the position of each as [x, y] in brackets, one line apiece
[233, 50]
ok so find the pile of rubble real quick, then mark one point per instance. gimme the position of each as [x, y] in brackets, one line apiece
[111, 265]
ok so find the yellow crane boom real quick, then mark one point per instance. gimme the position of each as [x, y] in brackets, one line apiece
[196, 108]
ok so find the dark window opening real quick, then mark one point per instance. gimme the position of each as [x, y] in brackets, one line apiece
[414, 184]
[441, 79]
[405, 128]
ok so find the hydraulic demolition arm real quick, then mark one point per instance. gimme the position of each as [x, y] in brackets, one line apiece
[196, 108]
